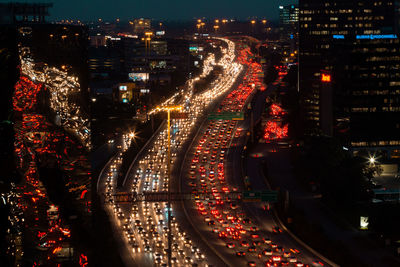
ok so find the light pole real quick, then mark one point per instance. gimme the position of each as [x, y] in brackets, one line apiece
[147, 40]
[169, 108]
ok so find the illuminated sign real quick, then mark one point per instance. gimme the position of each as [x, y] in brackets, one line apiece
[138, 77]
[127, 35]
[112, 38]
[364, 222]
[326, 78]
[160, 33]
[144, 91]
[338, 36]
[193, 48]
[123, 88]
[376, 36]
[124, 100]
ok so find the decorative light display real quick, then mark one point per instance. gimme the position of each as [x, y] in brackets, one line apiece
[40, 143]
[25, 97]
[274, 129]
[64, 91]
[276, 110]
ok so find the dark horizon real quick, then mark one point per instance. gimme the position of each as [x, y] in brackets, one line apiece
[175, 10]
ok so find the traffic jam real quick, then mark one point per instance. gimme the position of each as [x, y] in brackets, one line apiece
[223, 216]
[145, 225]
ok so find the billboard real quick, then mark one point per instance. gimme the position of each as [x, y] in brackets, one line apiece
[193, 48]
[159, 33]
[138, 77]
[123, 87]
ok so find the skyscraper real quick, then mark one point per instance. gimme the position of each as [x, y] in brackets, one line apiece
[288, 25]
[350, 61]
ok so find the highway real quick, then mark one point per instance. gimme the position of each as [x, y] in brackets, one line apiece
[142, 225]
[246, 231]
[214, 231]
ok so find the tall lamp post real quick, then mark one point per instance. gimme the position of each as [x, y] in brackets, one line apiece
[147, 40]
[168, 109]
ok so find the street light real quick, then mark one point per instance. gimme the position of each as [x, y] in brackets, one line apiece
[147, 40]
[132, 135]
[169, 108]
[372, 160]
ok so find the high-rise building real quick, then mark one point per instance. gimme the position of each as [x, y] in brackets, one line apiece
[350, 71]
[289, 19]
[141, 25]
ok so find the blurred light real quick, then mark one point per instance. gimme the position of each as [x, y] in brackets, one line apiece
[372, 160]
[326, 78]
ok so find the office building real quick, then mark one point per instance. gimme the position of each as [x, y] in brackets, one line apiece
[288, 25]
[349, 71]
[141, 25]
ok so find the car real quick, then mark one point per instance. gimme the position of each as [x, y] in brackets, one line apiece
[267, 240]
[276, 230]
[244, 243]
[135, 248]
[267, 252]
[240, 253]
[253, 229]
[199, 256]
[188, 260]
[246, 221]
[254, 235]
[276, 258]
[230, 245]
[252, 249]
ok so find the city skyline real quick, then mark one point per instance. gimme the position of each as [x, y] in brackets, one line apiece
[199, 133]
[164, 10]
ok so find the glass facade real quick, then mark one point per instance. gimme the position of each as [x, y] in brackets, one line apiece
[358, 43]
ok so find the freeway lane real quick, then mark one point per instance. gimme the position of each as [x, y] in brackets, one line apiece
[224, 225]
[143, 224]
[225, 219]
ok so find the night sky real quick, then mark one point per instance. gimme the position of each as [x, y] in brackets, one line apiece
[163, 9]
